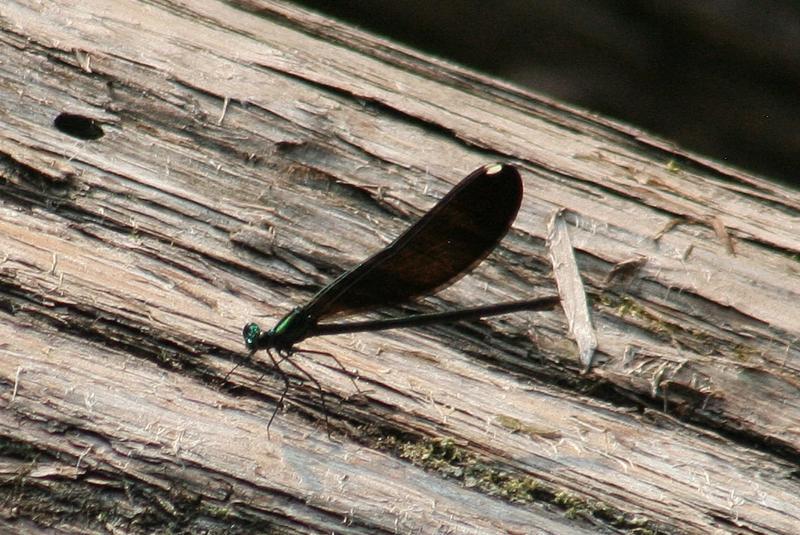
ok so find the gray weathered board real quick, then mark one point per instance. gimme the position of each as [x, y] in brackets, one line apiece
[252, 152]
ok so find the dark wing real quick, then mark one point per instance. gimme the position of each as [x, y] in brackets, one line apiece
[445, 244]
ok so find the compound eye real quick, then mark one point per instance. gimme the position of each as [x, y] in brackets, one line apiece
[251, 332]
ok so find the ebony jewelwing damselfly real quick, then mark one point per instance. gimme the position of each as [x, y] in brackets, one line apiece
[444, 245]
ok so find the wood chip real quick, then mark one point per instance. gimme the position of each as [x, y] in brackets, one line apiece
[570, 288]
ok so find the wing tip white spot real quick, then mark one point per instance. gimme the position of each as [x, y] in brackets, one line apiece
[493, 168]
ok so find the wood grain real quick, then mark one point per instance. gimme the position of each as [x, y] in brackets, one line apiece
[252, 152]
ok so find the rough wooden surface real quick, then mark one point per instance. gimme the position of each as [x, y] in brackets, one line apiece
[252, 152]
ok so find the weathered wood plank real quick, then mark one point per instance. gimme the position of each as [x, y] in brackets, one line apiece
[252, 152]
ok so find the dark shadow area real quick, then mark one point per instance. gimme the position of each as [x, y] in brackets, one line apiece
[717, 78]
